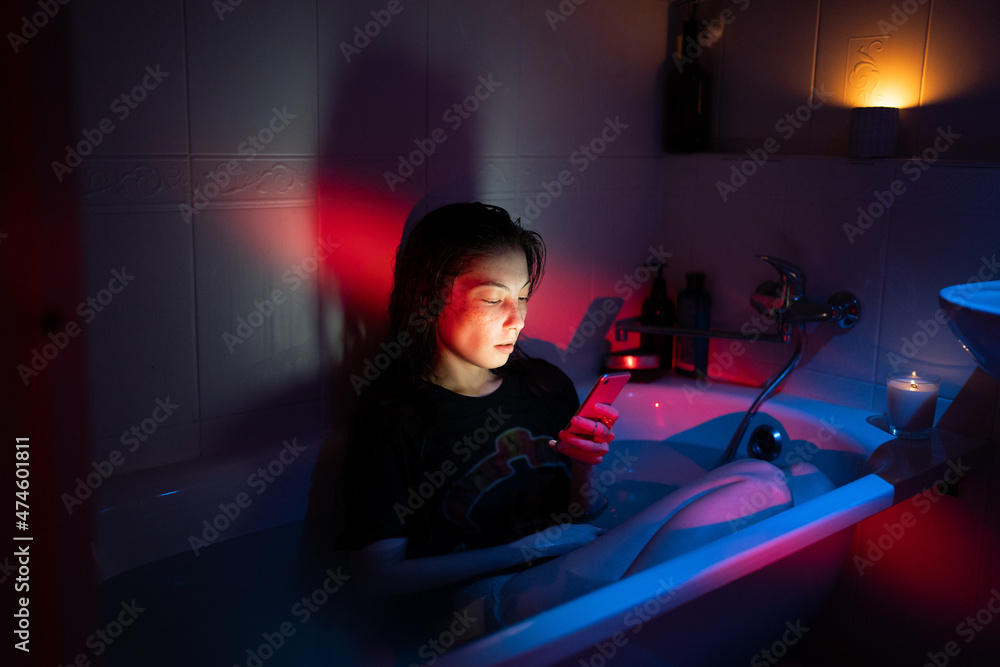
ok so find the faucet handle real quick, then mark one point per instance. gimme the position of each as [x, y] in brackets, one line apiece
[768, 298]
[792, 277]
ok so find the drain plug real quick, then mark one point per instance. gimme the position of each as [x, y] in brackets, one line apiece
[764, 443]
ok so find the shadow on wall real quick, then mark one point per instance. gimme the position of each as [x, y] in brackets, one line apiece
[368, 202]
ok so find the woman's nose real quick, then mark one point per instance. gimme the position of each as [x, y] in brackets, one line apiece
[515, 316]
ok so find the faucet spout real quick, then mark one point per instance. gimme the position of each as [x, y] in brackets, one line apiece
[842, 309]
[809, 311]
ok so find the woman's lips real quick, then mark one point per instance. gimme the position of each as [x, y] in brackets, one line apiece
[506, 348]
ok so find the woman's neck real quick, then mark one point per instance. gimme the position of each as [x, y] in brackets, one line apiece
[471, 382]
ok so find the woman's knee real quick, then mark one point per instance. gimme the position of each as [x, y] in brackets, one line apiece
[743, 500]
[806, 481]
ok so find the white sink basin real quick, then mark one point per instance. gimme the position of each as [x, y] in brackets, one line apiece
[974, 312]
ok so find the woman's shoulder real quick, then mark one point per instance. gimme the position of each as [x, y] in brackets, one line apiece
[392, 406]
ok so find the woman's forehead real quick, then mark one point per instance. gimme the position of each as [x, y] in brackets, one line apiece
[506, 268]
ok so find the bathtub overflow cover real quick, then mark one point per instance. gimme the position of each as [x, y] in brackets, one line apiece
[764, 443]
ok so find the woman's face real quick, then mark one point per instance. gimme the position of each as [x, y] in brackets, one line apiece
[489, 301]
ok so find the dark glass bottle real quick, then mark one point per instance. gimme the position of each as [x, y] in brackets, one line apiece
[693, 312]
[658, 310]
[687, 106]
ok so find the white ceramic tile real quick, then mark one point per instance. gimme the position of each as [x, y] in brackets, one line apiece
[727, 178]
[473, 75]
[931, 248]
[624, 237]
[955, 93]
[600, 63]
[135, 50]
[252, 78]
[534, 172]
[355, 285]
[948, 185]
[762, 71]
[378, 178]
[953, 42]
[679, 176]
[372, 77]
[475, 175]
[141, 339]
[887, 73]
[830, 388]
[366, 234]
[566, 289]
[812, 179]
[144, 448]
[263, 428]
[620, 176]
[831, 263]
[258, 328]
[596, 244]
[458, 179]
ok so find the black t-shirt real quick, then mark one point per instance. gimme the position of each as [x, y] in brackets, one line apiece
[451, 472]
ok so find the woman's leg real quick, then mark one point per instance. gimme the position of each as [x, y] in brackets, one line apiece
[716, 514]
[727, 509]
[719, 502]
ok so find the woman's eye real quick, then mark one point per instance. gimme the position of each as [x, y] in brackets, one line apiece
[492, 303]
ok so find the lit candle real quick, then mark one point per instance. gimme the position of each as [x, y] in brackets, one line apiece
[912, 401]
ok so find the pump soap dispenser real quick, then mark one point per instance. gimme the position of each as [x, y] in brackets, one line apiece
[658, 310]
[693, 305]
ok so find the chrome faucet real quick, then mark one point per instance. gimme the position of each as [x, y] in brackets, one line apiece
[784, 302]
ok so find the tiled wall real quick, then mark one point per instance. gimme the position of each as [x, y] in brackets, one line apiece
[249, 131]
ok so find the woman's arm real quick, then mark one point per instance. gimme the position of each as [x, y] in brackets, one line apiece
[586, 442]
[385, 570]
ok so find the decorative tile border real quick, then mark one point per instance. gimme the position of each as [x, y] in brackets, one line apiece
[116, 183]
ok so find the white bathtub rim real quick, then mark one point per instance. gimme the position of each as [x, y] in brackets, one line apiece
[595, 616]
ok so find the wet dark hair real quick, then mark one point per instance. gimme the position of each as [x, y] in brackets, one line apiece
[438, 249]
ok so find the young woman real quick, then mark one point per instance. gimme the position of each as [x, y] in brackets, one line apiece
[464, 452]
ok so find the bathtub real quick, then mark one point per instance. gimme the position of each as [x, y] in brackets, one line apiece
[731, 601]
[192, 506]
[723, 603]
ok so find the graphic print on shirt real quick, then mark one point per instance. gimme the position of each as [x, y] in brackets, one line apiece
[517, 453]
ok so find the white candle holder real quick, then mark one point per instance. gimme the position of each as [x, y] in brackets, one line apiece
[872, 132]
[912, 400]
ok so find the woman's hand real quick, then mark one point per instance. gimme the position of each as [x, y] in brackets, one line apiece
[586, 440]
[556, 540]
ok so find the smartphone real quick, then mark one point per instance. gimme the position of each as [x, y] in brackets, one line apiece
[605, 390]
